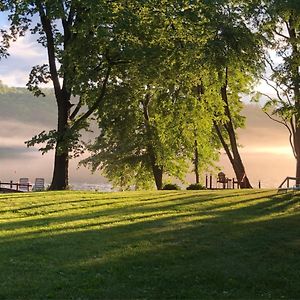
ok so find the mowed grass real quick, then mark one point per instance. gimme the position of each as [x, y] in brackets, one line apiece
[229, 244]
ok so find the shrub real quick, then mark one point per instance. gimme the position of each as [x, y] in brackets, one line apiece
[196, 186]
[171, 186]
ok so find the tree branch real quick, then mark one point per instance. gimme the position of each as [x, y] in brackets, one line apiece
[288, 128]
[293, 129]
[280, 34]
[76, 110]
[96, 104]
[276, 89]
[46, 23]
[223, 142]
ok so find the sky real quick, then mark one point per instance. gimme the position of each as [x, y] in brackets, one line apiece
[266, 151]
[24, 54]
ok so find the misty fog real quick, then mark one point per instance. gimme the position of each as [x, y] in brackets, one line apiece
[265, 152]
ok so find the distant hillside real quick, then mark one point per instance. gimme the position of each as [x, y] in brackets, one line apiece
[20, 105]
[265, 148]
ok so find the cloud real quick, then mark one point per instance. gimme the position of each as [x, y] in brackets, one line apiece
[24, 53]
[27, 47]
[14, 78]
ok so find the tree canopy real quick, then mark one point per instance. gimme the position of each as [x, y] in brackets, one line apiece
[163, 80]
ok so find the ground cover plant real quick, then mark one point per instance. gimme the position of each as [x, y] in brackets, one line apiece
[148, 245]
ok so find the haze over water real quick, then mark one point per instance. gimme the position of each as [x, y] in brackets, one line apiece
[266, 153]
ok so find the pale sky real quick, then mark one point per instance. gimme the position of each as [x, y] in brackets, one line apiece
[24, 54]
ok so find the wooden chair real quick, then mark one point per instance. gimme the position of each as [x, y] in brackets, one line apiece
[39, 184]
[24, 185]
[222, 179]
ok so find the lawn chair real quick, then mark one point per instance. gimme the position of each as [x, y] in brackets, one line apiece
[39, 184]
[223, 180]
[24, 185]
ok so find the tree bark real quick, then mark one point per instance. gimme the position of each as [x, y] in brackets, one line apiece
[157, 173]
[235, 160]
[61, 161]
[232, 151]
[60, 179]
[295, 76]
[157, 170]
[63, 94]
[297, 152]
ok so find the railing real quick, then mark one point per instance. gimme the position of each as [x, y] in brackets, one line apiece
[287, 181]
[294, 187]
[17, 185]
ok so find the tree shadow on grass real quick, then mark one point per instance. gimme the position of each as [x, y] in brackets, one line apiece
[92, 197]
[171, 256]
[33, 218]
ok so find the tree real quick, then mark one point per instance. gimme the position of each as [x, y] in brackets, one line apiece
[279, 22]
[152, 118]
[210, 43]
[81, 75]
[232, 56]
[150, 132]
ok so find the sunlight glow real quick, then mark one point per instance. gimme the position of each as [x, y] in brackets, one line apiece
[279, 150]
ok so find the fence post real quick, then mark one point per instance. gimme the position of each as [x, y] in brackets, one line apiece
[259, 184]
[11, 184]
[210, 181]
[206, 181]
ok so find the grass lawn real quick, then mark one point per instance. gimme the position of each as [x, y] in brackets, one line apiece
[150, 245]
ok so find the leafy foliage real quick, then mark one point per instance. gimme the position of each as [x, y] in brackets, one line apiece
[279, 23]
[171, 186]
[152, 72]
[196, 186]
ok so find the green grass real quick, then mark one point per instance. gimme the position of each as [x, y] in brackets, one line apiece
[150, 245]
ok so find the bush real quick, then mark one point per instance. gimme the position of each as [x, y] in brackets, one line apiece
[196, 186]
[171, 186]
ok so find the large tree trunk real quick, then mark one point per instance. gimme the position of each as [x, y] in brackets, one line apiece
[60, 179]
[157, 170]
[63, 93]
[294, 40]
[297, 153]
[232, 150]
[298, 170]
[240, 172]
[235, 159]
[158, 175]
